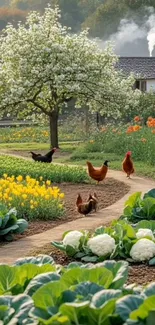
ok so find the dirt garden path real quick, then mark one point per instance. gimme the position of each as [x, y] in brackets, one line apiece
[9, 253]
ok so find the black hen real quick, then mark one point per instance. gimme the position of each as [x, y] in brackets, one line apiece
[43, 158]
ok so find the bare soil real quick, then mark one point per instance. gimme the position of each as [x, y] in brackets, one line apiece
[108, 193]
[141, 274]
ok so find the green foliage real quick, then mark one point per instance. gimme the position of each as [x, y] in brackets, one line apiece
[117, 140]
[138, 208]
[101, 16]
[55, 173]
[10, 224]
[105, 20]
[36, 291]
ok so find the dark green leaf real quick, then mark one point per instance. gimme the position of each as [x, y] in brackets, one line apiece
[7, 230]
[151, 193]
[39, 281]
[70, 250]
[126, 305]
[143, 311]
[59, 245]
[39, 260]
[150, 290]
[152, 261]
[89, 259]
[87, 289]
[22, 226]
[103, 296]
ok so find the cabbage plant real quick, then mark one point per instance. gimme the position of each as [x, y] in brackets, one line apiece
[10, 224]
[37, 291]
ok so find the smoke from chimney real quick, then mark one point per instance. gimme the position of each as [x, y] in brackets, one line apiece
[132, 39]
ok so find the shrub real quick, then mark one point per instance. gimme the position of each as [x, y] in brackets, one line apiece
[10, 224]
[37, 291]
[31, 198]
[55, 173]
[117, 241]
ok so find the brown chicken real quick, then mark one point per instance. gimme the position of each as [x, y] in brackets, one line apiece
[98, 174]
[127, 164]
[78, 200]
[84, 207]
[95, 200]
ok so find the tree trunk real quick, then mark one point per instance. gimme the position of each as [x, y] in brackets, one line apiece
[86, 121]
[53, 119]
[97, 120]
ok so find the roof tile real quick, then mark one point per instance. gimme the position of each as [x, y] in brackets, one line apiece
[142, 67]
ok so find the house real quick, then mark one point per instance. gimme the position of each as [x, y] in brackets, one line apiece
[143, 69]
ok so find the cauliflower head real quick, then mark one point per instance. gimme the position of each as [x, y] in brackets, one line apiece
[72, 238]
[143, 250]
[101, 245]
[141, 233]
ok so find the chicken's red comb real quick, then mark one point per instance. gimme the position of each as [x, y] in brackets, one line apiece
[129, 153]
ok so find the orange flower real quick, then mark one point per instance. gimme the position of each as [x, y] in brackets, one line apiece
[114, 130]
[151, 123]
[150, 118]
[137, 119]
[134, 128]
[153, 131]
[130, 129]
[143, 140]
[137, 128]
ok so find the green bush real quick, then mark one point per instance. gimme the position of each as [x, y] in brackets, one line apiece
[55, 173]
[36, 291]
[10, 224]
[138, 208]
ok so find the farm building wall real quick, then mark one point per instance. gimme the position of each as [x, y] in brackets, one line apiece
[150, 85]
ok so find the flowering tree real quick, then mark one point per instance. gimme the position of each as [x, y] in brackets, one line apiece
[43, 67]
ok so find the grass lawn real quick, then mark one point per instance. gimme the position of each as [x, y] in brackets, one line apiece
[68, 155]
[66, 146]
[142, 169]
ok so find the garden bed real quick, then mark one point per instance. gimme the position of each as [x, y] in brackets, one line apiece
[140, 274]
[108, 193]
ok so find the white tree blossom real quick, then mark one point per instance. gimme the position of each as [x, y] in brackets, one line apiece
[43, 66]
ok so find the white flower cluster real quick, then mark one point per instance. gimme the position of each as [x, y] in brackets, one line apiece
[101, 245]
[72, 238]
[143, 250]
[58, 65]
[141, 233]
